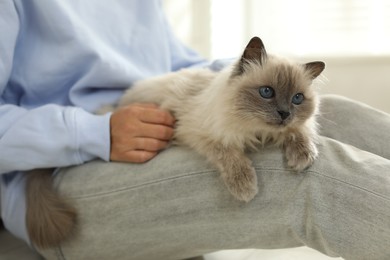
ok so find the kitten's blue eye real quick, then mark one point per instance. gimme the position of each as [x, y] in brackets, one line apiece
[266, 92]
[298, 98]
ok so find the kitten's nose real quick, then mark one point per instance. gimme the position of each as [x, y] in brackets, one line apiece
[284, 114]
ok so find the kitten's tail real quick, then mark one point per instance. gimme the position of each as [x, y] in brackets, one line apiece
[49, 218]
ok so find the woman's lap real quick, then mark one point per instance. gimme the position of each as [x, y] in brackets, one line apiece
[175, 206]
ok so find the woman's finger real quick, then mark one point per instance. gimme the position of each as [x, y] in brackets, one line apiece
[160, 132]
[156, 116]
[149, 144]
[134, 156]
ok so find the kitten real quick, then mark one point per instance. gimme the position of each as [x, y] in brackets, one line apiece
[260, 99]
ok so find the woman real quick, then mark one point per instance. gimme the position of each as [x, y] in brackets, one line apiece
[62, 60]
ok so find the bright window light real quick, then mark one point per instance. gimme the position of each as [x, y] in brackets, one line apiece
[302, 27]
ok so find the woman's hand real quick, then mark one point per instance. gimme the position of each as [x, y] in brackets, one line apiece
[139, 132]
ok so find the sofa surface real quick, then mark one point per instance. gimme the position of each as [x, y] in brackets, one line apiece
[12, 248]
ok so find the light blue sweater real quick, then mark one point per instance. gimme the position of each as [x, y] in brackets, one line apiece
[60, 60]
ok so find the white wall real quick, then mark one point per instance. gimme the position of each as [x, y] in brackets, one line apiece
[363, 79]
[191, 22]
[366, 79]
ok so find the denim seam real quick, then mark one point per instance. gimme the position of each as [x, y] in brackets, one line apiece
[191, 174]
[328, 177]
[352, 185]
[143, 184]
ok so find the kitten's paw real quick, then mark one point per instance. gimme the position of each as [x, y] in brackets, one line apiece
[300, 157]
[242, 185]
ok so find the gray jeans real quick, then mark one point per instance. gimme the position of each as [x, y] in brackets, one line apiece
[175, 206]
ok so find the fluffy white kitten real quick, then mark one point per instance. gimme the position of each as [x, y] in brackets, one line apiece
[260, 99]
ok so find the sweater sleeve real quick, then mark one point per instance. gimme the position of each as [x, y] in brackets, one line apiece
[46, 136]
[51, 136]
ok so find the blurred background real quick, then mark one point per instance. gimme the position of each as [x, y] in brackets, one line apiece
[351, 36]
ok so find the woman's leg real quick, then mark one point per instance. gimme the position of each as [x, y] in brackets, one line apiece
[355, 123]
[176, 206]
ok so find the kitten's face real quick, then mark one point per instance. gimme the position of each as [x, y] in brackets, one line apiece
[276, 94]
[272, 92]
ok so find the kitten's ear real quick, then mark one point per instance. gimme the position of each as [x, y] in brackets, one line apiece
[254, 51]
[314, 68]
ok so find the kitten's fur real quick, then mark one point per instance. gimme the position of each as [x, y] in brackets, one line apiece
[50, 219]
[220, 115]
